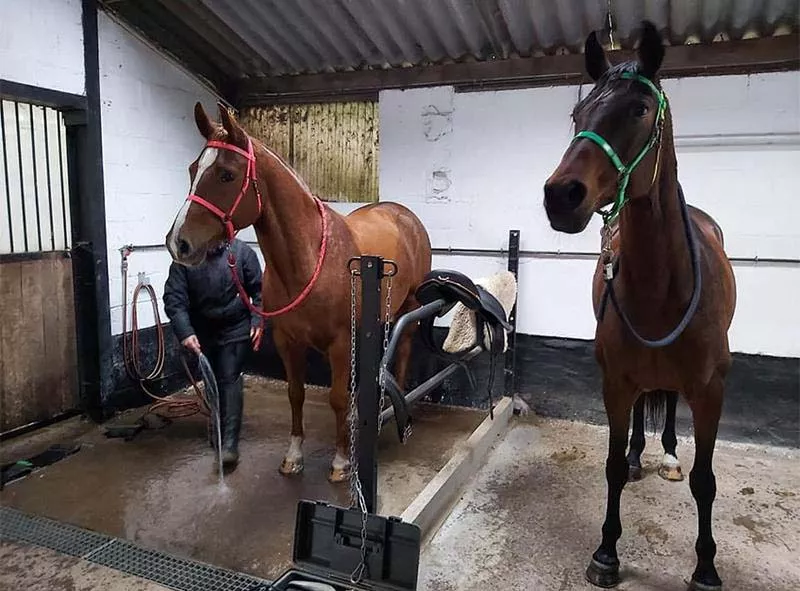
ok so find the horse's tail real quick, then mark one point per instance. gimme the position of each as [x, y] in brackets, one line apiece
[655, 403]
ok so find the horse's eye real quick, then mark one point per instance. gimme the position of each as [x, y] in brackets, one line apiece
[640, 110]
[226, 176]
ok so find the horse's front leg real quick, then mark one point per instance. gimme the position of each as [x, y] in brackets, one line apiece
[603, 570]
[670, 468]
[706, 409]
[339, 358]
[293, 356]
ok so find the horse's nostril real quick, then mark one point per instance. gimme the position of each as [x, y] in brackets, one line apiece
[564, 197]
[183, 247]
[575, 193]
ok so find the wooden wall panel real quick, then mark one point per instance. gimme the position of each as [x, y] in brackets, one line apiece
[332, 146]
[38, 353]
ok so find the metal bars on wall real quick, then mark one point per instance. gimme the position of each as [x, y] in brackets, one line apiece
[35, 215]
[332, 146]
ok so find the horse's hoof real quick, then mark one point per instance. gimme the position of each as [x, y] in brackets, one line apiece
[634, 473]
[695, 585]
[291, 467]
[338, 475]
[602, 575]
[671, 473]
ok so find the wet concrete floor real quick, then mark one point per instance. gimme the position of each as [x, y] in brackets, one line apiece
[39, 569]
[161, 489]
[530, 519]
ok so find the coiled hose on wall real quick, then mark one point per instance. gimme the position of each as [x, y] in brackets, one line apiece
[169, 406]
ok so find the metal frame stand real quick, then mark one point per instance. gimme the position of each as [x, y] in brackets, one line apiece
[511, 353]
[369, 358]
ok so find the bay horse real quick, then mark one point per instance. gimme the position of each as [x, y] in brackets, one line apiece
[663, 268]
[236, 182]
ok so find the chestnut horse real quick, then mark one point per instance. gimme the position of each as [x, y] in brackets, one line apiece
[663, 269]
[237, 182]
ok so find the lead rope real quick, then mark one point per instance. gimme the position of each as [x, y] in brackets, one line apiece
[356, 494]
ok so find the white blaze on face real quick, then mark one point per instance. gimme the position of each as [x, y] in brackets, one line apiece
[207, 158]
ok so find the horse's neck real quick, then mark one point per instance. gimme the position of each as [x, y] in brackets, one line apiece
[655, 262]
[289, 229]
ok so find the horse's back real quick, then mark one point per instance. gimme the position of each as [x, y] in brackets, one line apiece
[394, 232]
[706, 224]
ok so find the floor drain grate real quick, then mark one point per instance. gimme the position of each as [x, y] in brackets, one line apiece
[40, 531]
[170, 571]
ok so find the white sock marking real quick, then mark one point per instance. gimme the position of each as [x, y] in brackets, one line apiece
[295, 453]
[340, 462]
[670, 461]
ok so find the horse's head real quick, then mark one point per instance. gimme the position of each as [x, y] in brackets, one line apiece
[615, 150]
[224, 193]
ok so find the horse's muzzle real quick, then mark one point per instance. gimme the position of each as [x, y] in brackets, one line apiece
[563, 202]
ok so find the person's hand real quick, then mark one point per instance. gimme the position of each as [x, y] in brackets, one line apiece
[192, 344]
[255, 336]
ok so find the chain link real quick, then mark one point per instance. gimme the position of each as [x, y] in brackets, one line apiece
[607, 252]
[386, 320]
[356, 494]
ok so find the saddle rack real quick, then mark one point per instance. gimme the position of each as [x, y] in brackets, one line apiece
[438, 293]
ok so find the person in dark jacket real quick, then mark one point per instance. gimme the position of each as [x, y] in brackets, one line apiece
[208, 316]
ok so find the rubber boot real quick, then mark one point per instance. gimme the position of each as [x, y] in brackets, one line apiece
[232, 400]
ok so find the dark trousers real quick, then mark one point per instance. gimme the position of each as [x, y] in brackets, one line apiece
[228, 361]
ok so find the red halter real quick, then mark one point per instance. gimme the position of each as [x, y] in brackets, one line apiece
[227, 221]
[227, 218]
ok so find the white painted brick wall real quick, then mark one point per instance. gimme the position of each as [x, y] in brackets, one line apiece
[149, 140]
[498, 148]
[41, 44]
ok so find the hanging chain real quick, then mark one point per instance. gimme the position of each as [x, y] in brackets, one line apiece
[606, 252]
[386, 319]
[611, 26]
[356, 494]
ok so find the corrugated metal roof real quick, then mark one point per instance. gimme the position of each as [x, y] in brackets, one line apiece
[245, 38]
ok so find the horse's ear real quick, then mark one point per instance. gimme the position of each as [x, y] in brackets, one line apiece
[204, 124]
[236, 135]
[651, 50]
[596, 60]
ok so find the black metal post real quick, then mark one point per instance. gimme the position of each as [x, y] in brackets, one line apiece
[369, 365]
[511, 355]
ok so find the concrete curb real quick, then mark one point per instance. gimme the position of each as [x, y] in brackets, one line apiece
[429, 509]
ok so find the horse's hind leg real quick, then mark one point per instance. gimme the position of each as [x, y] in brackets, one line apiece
[339, 358]
[706, 409]
[294, 362]
[637, 440]
[670, 468]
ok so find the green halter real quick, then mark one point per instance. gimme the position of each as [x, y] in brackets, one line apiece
[626, 171]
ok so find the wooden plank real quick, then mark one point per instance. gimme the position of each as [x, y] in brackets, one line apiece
[12, 356]
[430, 508]
[54, 337]
[766, 54]
[67, 344]
[32, 343]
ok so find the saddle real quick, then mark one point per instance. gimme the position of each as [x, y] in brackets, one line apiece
[454, 287]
